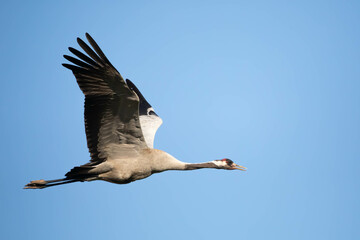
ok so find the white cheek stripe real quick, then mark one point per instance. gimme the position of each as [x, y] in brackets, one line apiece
[219, 163]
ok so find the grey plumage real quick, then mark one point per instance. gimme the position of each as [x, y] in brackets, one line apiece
[120, 126]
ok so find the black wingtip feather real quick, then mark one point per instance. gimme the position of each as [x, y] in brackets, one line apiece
[90, 52]
[75, 69]
[83, 57]
[97, 49]
[78, 62]
[68, 66]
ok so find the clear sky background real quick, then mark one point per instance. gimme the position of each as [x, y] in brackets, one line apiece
[273, 85]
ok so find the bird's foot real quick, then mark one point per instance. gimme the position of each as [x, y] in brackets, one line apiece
[36, 184]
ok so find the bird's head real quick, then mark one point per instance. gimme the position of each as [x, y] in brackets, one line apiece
[228, 164]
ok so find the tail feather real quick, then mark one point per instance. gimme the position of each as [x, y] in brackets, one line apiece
[40, 184]
[82, 172]
[86, 172]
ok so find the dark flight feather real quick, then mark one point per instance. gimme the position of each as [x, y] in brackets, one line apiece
[111, 108]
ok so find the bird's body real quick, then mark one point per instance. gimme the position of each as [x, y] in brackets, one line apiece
[120, 127]
[138, 164]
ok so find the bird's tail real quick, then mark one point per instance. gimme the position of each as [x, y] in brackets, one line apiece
[40, 184]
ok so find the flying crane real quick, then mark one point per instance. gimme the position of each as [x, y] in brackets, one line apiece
[120, 127]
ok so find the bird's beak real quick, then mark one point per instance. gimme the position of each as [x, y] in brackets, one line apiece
[235, 166]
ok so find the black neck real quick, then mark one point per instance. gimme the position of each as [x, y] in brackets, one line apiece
[193, 166]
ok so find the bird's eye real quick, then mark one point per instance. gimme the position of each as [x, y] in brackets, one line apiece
[229, 162]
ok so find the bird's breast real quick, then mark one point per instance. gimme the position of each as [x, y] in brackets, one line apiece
[127, 170]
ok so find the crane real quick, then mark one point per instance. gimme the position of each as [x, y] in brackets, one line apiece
[120, 127]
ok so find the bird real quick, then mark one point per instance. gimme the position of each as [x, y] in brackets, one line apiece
[120, 126]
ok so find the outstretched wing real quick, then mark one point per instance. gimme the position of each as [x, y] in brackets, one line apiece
[111, 108]
[149, 120]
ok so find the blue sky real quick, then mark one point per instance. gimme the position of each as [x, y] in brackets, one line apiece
[272, 85]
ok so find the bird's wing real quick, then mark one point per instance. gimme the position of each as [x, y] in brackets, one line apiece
[149, 120]
[111, 108]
